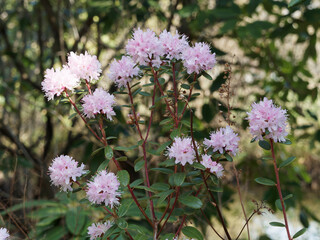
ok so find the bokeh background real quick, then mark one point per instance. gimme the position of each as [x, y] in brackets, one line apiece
[271, 48]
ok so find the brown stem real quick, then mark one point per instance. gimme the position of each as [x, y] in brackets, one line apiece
[276, 170]
[173, 206]
[180, 227]
[205, 181]
[162, 94]
[83, 119]
[247, 222]
[208, 221]
[240, 197]
[189, 97]
[175, 94]
[88, 86]
[144, 149]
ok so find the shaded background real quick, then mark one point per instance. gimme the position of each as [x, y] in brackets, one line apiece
[271, 48]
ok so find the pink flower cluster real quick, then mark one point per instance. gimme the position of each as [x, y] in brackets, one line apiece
[198, 58]
[122, 71]
[267, 120]
[213, 167]
[68, 78]
[145, 47]
[100, 102]
[4, 234]
[223, 140]
[173, 45]
[182, 151]
[97, 230]
[64, 170]
[84, 66]
[56, 81]
[104, 188]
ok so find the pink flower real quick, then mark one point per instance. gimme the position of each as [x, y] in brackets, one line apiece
[122, 71]
[4, 234]
[104, 188]
[84, 66]
[64, 170]
[173, 45]
[100, 102]
[56, 81]
[267, 120]
[198, 58]
[182, 151]
[97, 230]
[225, 139]
[213, 167]
[145, 47]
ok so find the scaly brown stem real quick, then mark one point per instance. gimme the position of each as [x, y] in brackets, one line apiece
[276, 170]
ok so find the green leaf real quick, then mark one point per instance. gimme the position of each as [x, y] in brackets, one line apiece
[75, 220]
[124, 177]
[185, 86]
[163, 195]
[136, 183]
[174, 133]
[124, 207]
[299, 233]
[191, 201]
[125, 149]
[138, 166]
[178, 178]
[198, 166]
[277, 224]
[228, 157]
[264, 144]
[122, 223]
[206, 75]
[145, 188]
[163, 170]
[122, 159]
[192, 232]
[279, 206]
[265, 181]
[145, 94]
[108, 152]
[287, 162]
[294, 3]
[103, 165]
[287, 142]
[288, 196]
[160, 186]
[165, 121]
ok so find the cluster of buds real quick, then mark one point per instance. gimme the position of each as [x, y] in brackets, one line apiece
[131, 120]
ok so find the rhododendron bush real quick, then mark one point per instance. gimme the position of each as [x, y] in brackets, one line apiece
[177, 177]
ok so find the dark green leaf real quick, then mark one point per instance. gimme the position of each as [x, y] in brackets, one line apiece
[206, 75]
[192, 232]
[299, 233]
[163, 170]
[287, 162]
[228, 157]
[264, 144]
[108, 152]
[265, 181]
[178, 178]
[279, 206]
[294, 3]
[75, 220]
[138, 166]
[124, 207]
[123, 177]
[277, 224]
[191, 201]
[160, 186]
[198, 166]
[145, 94]
[122, 223]
[103, 165]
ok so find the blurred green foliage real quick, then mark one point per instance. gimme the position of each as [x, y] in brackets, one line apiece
[275, 56]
